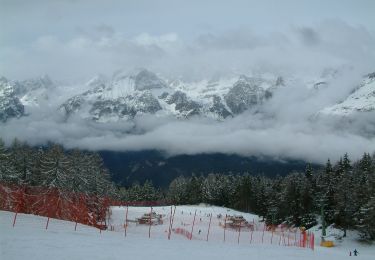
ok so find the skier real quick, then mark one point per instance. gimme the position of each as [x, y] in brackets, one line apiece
[199, 232]
[355, 252]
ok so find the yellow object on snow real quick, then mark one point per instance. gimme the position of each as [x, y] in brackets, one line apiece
[327, 243]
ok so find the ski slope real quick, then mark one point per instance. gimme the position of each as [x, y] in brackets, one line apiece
[29, 239]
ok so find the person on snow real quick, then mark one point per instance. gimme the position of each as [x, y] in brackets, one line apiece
[355, 252]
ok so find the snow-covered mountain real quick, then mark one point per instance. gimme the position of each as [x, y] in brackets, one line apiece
[17, 96]
[126, 95]
[10, 104]
[362, 99]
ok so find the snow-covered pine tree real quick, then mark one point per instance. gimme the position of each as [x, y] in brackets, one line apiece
[344, 202]
[177, 191]
[22, 161]
[55, 169]
[309, 171]
[194, 189]
[366, 219]
[79, 169]
[6, 169]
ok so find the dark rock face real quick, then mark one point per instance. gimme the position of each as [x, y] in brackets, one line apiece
[128, 106]
[163, 95]
[146, 103]
[107, 108]
[72, 105]
[10, 105]
[146, 80]
[371, 75]
[245, 94]
[184, 105]
[219, 108]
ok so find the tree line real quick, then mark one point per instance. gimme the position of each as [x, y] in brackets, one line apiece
[53, 167]
[343, 193]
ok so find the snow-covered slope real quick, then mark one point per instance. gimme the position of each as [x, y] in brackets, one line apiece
[361, 100]
[30, 240]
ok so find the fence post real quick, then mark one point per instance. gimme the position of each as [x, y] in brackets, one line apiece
[170, 223]
[174, 212]
[15, 218]
[264, 227]
[47, 223]
[239, 233]
[251, 234]
[225, 225]
[209, 226]
[192, 227]
[149, 229]
[126, 219]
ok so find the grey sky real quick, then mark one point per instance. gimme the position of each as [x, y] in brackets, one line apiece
[74, 40]
[77, 39]
[28, 20]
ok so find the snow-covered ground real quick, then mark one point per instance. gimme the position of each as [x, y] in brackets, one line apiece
[30, 240]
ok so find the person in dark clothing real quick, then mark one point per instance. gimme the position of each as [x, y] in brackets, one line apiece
[355, 252]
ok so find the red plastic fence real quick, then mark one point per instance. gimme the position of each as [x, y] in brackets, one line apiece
[290, 236]
[141, 203]
[183, 232]
[53, 203]
[91, 210]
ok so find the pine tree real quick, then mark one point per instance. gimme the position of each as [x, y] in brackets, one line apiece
[308, 171]
[177, 192]
[6, 169]
[366, 222]
[21, 160]
[55, 169]
[344, 202]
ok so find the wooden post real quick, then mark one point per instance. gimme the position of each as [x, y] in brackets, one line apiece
[149, 229]
[15, 218]
[192, 227]
[225, 225]
[239, 233]
[170, 225]
[264, 227]
[126, 219]
[47, 223]
[209, 226]
[251, 236]
[174, 212]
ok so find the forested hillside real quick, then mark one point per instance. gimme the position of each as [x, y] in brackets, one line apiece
[344, 192]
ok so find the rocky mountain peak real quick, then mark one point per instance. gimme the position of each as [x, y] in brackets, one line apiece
[146, 80]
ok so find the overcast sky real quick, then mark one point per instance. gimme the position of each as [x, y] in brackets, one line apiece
[76, 39]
